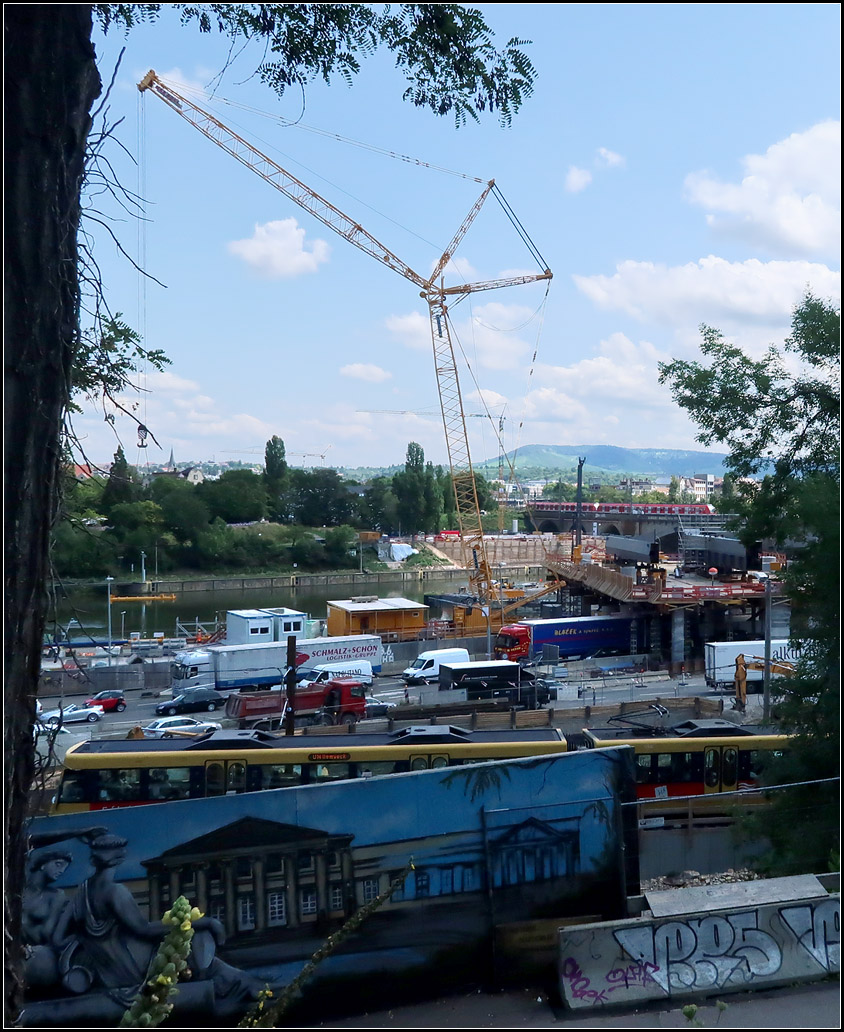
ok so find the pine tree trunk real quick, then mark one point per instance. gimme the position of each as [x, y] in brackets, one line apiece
[51, 82]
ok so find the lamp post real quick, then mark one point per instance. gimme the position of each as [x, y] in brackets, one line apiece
[123, 625]
[108, 589]
[143, 567]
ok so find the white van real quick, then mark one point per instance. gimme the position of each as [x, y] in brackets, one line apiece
[425, 669]
[361, 670]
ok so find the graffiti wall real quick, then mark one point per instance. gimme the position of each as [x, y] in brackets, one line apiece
[712, 950]
[276, 872]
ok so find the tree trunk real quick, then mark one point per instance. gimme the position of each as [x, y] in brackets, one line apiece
[51, 82]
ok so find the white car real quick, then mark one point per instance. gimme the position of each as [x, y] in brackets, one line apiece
[166, 727]
[73, 714]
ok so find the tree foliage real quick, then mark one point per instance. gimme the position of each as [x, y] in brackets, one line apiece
[450, 66]
[780, 417]
[445, 52]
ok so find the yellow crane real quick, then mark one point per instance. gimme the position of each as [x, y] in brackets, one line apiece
[431, 288]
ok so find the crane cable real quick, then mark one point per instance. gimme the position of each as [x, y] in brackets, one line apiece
[142, 279]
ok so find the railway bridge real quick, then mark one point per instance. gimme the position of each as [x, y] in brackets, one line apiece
[651, 521]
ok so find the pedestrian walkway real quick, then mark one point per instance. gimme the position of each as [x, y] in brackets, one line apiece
[814, 1005]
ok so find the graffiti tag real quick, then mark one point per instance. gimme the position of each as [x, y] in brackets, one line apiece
[633, 974]
[818, 930]
[705, 952]
[579, 984]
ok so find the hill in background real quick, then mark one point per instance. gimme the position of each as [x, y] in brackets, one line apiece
[604, 461]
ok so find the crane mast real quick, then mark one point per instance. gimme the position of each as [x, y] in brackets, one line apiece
[448, 384]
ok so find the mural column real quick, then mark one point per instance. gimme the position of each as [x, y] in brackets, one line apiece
[292, 890]
[260, 883]
[231, 897]
[347, 875]
[155, 908]
[321, 884]
[175, 882]
[202, 887]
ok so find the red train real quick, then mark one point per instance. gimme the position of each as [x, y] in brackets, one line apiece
[626, 508]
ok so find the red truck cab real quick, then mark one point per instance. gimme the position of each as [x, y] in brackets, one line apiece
[342, 700]
[513, 642]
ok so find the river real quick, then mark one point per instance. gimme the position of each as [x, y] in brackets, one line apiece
[84, 611]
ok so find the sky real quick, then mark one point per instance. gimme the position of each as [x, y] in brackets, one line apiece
[677, 165]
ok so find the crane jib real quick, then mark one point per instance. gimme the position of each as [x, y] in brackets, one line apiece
[454, 421]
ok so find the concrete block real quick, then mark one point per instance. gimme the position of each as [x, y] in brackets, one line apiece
[780, 931]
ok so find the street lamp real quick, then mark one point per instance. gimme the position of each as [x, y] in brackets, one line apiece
[108, 589]
[123, 625]
[143, 567]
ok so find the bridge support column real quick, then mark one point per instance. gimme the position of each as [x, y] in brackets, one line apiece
[678, 639]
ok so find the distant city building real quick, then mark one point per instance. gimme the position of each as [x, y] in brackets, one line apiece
[637, 487]
[193, 474]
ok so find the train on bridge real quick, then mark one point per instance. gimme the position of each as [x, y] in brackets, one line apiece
[622, 508]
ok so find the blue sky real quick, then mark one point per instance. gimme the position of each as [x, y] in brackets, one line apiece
[676, 165]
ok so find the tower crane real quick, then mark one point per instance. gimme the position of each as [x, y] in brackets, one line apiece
[431, 288]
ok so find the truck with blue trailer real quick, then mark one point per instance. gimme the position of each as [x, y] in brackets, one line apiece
[577, 637]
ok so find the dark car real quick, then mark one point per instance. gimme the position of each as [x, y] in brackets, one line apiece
[379, 708]
[109, 700]
[198, 700]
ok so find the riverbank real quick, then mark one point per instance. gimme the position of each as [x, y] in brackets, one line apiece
[287, 581]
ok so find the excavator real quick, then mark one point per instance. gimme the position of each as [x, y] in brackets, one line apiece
[745, 663]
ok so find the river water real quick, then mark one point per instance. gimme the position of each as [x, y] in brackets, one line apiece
[84, 612]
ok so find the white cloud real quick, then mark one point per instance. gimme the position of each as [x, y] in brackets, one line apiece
[367, 372]
[789, 198]
[277, 250]
[460, 270]
[414, 330]
[710, 289]
[610, 397]
[609, 158]
[577, 179]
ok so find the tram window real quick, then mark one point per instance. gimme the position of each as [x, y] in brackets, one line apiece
[235, 776]
[119, 785]
[330, 771]
[282, 775]
[215, 779]
[712, 768]
[729, 768]
[664, 768]
[643, 768]
[672, 767]
[169, 783]
[73, 787]
[375, 769]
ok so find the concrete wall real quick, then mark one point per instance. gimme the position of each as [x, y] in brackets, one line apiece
[700, 941]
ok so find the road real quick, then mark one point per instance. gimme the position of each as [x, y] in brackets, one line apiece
[605, 691]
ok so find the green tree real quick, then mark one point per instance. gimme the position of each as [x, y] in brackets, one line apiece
[320, 498]
[450, 65]
[276, 478]
[238, 496]
[432, 501]
[380, 506]
[780, 418]
[122, 484]
[409, 489]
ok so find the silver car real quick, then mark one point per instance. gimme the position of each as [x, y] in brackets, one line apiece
[73, 714]
[170, 727]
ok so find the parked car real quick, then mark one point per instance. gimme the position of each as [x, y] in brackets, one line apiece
[378, 708]
[112, 699]
[192, 702]
[165, 727]
[73, 714]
